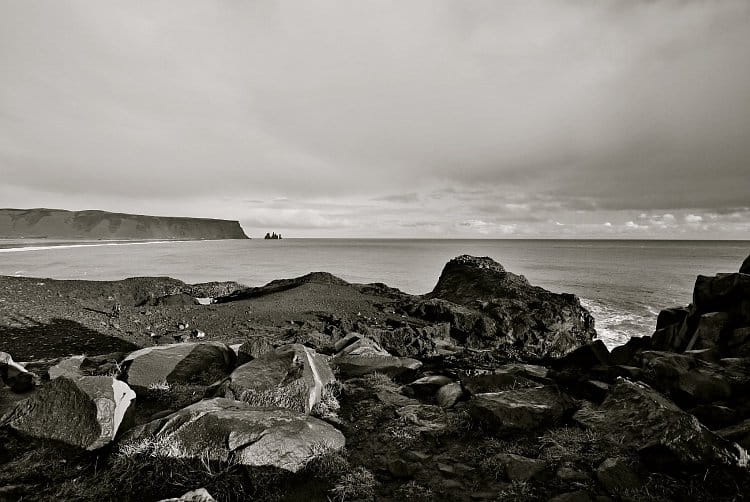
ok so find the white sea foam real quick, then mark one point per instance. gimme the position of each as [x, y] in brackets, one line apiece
[91, 245]
[616, 326]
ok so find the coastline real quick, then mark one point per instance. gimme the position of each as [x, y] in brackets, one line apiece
[485, 388]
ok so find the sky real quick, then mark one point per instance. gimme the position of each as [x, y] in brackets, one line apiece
[385, 118]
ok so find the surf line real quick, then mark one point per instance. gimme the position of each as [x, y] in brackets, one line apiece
[69, 246]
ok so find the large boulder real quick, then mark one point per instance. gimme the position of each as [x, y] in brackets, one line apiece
[85, 412]
[724, 293]
[687, 379]
[671, 316]
[584, 357]
[253, 348]
[721, 307]
[224, 429]
[527, 317]
[291, 376]
[519, 410]
[710, 329]
[178, 363]
[625, 355]
[352, 366]
[667, 438]
[507, 376]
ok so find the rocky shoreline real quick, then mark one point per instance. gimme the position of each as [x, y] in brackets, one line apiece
[487, 388]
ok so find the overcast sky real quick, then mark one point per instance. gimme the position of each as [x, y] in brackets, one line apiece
[528, 118]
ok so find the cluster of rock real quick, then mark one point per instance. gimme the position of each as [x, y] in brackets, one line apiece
[515, 359]
[89, 411]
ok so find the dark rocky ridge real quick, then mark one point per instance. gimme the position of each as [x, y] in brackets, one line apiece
[61, 224]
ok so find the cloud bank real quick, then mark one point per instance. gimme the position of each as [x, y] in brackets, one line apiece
[383, 118]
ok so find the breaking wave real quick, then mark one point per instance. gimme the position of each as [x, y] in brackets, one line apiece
[616, 325]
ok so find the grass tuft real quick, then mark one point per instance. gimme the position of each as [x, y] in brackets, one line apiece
[359, 484]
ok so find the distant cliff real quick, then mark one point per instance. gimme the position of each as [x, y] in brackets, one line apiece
[61, 224]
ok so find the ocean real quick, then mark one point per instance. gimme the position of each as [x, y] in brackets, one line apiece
[623, 283]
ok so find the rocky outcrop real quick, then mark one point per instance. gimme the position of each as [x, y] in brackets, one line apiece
[223, 429]
[85, 412]
[291, 376]
[359, 355]
[61, 224]
[507, 310]
[178, 363]
[357, 366]
[520, 410]
[719, 317]
[666, 436]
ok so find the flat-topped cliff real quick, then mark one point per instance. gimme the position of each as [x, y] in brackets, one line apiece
[93, 224]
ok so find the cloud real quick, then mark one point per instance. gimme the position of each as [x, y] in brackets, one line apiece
[509, 113]
[403, 198]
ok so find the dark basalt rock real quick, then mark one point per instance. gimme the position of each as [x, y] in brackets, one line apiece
[724, 293]
[667, 437]
[745, 267]
[520, 410]
[584, 357]
[625, 355]
[715, 320]
[688, 380]
[671, 316]
[508, 311]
